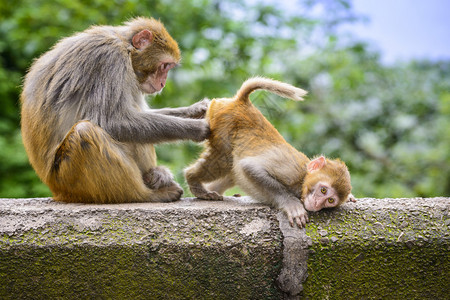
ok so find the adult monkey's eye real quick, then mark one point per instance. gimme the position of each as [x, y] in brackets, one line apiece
[323, 190]
[330, 200]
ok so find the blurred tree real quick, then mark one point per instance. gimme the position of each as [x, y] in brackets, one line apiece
[388, 123]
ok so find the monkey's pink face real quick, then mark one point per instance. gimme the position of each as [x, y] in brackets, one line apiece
[321, 196]
[155, 82]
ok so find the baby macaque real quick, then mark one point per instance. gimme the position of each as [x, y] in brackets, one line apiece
[244, 149]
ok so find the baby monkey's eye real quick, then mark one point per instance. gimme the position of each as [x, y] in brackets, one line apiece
[330, 200]
[323, 190]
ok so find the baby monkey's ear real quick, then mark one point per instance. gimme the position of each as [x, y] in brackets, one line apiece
[316, 164]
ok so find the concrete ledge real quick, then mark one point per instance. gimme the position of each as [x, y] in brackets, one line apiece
[235, 249]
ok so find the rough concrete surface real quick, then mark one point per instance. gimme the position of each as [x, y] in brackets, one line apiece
[380, 249]
[234, 249]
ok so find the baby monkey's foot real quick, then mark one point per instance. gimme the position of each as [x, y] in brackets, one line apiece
[200, 192]
[210, 196]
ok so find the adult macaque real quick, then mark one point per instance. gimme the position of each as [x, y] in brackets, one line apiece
[86, 126]
[244, 149]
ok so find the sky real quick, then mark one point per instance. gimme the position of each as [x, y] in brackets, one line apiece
[405, 29]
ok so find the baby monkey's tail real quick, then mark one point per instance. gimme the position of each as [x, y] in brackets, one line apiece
[277, 87]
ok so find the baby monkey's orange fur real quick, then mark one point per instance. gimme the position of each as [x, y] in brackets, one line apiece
[244, 149]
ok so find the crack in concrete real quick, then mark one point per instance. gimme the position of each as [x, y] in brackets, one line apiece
[294, 269]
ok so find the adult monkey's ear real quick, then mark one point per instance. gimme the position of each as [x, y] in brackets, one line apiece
[142, 39]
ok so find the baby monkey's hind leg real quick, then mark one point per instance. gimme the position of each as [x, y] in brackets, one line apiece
[203, 170]
[221, 185]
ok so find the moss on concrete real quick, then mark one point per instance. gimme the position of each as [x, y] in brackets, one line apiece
[176, 251]
[374, 249]
[137, 272]
[384, 273]
[398, 253]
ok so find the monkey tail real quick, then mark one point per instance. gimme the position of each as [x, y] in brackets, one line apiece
[282, 89]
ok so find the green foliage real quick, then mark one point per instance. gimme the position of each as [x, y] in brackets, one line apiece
[389, 124]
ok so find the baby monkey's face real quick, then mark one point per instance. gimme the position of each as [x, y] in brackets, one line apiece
[326, 184]
[322, 195]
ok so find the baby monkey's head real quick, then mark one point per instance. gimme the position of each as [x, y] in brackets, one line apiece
[327, 184]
